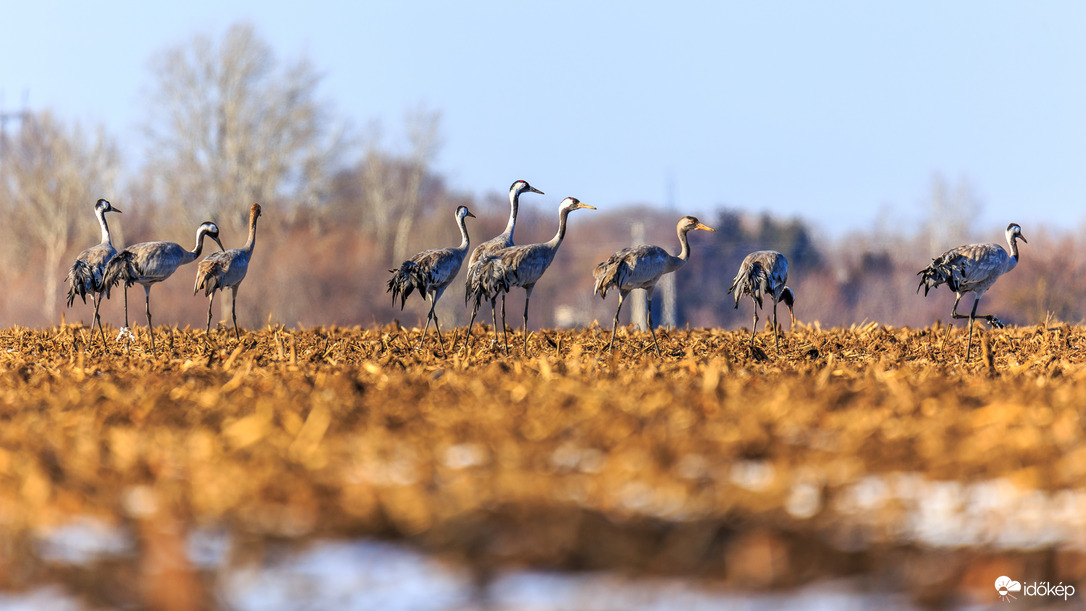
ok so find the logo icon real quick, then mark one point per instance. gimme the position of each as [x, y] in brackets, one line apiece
[1005, 585]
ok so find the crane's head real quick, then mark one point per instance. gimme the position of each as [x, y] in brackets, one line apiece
[572, 203]
[688, 223]
[254, 211]
[789, 299]
[1014, 231]
[462, 211]
[104, 206]
[521, 186]
[211, 230]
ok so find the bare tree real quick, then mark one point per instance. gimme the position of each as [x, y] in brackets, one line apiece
[238, 128]
[232, 126]
[393, 187]
[953, 209]
[52, 175]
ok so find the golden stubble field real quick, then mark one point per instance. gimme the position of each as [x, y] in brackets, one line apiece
[873, 452]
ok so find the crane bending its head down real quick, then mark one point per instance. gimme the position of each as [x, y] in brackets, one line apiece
[764, 272]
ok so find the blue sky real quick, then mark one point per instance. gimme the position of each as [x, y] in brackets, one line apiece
[830, 111]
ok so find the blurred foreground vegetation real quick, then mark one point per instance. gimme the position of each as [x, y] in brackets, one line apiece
[833, 458]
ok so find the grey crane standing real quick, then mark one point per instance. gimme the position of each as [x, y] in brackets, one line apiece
[226, 269]
[523, 266]
[972, 268]
[149, 262]
[641, 267]
[85, 275]
[488, 248]
[430, 272]
[762, 273]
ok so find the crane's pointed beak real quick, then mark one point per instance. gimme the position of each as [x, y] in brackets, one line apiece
[470, 214]
[586, 206]
[1023, 238]
[219, 242]
[704, 226]
[534, 190]
[112, 209]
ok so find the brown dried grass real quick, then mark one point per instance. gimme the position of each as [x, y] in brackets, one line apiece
[565, 457]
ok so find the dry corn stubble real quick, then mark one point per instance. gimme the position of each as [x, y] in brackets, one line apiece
[568, 456]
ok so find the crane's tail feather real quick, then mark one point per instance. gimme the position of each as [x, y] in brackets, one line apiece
[610, 273]
[405, 279]
[941, 271]
[80, 282]
[209, 276]
[753, 281]
[121, 268]
[490, 279]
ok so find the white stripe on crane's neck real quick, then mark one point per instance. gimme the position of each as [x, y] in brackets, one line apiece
[100, 212]
[514, 204]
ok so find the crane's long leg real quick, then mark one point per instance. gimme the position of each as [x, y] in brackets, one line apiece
[467, 331]
[992, 320]
[503, 323]
[776, 335]
[754, 329]
[425, 327]
[150, 329]
[437, 328]
[126, 306]
[527, 300]
[494, 313]
[972, 317]
[210, 303]
[234, 310]
[614, 323]
[98, 319]
[648, 314]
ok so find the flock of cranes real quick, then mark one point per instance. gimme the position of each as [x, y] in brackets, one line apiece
[98, 269]
[498, 265]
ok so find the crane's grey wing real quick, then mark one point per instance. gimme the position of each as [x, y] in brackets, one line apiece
[473, 284]
[965, 268]
[88, 272]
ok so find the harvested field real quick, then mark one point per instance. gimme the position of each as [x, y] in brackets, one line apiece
[871, 454]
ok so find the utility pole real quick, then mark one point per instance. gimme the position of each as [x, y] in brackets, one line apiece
[637, 299]
[666, 286]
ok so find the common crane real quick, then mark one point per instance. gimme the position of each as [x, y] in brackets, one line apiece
[85, 275]
[972, 268]
[147, 263]
[523, 266]
[430, 272]
[226, 269]
[764, 273]
[488, 248]
[641, 267]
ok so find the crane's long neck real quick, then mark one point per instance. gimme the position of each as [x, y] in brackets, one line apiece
[464, 241]
[514, 204]
[1014, 246]
[195, 252]
[684, 243]
[251, 240]
[101, 214]
[556, 241]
